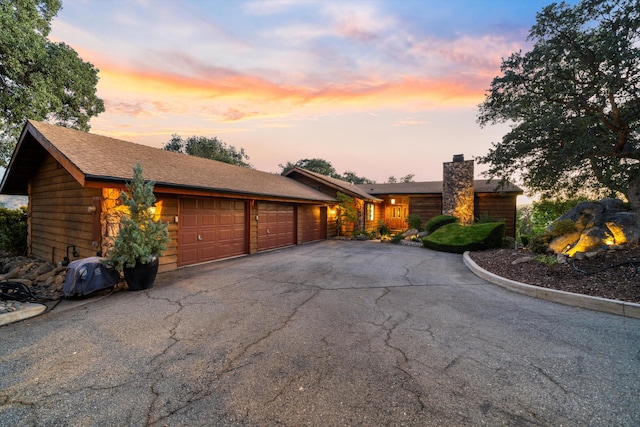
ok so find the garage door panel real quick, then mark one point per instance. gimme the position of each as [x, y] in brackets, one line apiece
[209, 220]
[211, 229]
[276, 225]
[313, 223]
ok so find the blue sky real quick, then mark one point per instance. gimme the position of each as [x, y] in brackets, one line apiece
[379, 88]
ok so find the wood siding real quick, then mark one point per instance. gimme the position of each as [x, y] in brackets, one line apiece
[426, 206]
[501, 207]
[168, 204]
[62, 214]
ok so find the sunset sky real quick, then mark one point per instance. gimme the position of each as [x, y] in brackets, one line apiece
[379, 88]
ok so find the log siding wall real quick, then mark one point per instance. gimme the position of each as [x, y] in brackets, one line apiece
[62, 214]
[501, 207]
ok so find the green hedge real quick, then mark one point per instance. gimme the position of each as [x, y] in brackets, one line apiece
[438, 221]
[458, 238]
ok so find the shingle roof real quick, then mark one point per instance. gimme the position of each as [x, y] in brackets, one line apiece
[103, 159]
[435, 187]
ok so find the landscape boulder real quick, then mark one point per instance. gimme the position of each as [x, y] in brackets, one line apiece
[599, 225]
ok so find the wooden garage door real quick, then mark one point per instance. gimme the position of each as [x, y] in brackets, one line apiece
[210, 229]
[313, 223]
[276, 225]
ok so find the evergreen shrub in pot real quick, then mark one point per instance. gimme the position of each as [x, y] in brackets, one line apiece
[141, 239]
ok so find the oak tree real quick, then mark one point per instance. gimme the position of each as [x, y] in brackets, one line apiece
[40, 79]
[573, 103]
[209, 148]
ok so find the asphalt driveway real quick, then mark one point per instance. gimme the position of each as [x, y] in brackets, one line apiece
[333, 333]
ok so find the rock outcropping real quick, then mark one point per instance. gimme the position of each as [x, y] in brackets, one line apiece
[599, 225]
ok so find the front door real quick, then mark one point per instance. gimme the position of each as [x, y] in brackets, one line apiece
[396, 216]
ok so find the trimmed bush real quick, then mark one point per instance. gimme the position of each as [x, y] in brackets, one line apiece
[383, 228]
[414, 221]
[13, 230]
[438, 221]
[458, 238]
[397, 238]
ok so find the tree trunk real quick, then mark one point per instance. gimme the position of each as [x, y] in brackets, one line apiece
[633, 191]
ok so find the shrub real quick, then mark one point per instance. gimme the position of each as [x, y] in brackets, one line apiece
[438, 221]
[458, 238]
[548, 260]
[141, 236]
[539, 244]
[524, 239]
[486, 218]
[397, 238]
[369, 235]
[383, 228]
[414, 221]
[561, 227]
[13, 230]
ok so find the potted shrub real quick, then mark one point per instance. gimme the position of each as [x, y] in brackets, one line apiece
[141, 239]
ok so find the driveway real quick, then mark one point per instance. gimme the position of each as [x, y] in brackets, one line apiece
[333, 333]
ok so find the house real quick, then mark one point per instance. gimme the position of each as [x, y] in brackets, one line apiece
[458, 194]
[73, 180]
[214, 210]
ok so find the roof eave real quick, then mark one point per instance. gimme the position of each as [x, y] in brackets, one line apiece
[159, 185]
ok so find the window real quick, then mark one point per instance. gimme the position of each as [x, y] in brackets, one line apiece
[370, 212]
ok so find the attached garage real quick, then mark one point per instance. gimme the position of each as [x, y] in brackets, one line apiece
[312, 223]
[276, 225]
[210, 229]
[73, 180]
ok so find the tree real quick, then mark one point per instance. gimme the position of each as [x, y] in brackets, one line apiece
[324, 167]
[573, 102]
[209, 148]
[355, 179]
[321, 166]
[39, 79]
[407, 178]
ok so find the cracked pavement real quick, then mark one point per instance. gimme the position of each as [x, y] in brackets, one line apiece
[334, 333]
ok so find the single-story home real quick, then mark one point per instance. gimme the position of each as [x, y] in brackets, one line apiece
[392, 203]
[215, 210]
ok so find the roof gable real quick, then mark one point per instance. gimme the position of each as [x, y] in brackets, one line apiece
[95, 158]
[337, 184]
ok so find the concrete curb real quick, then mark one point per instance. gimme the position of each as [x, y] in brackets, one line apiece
[605, 305]
[26, 311]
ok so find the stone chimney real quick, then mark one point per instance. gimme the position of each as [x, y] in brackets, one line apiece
[457, 189]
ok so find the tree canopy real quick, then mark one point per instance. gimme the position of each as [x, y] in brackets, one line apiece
[40, 79]
[209, 148]
[324, 167]
[407, 178]
[573, 102]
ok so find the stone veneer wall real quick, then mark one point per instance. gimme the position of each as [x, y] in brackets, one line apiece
[457, 189]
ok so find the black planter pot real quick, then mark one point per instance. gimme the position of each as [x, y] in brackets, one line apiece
[141, 276]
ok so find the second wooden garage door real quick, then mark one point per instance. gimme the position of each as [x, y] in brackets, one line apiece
[313, 223]
[276, 225]
[211, 229]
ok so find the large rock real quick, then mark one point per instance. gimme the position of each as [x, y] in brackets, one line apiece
[599, 224]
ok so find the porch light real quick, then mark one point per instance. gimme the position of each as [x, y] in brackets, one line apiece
[393, 201]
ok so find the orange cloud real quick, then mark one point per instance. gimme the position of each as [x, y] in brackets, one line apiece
[247, 87]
